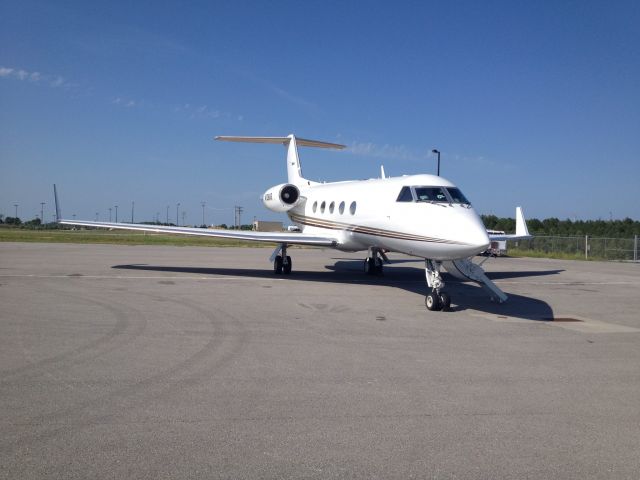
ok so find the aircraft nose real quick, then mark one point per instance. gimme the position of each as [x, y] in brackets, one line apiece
[477, 236]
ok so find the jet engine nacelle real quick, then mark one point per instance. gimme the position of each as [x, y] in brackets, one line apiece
[281, 198]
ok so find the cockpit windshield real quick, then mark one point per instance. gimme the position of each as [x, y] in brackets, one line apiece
[431, 194]
[457, 196]
[450, 195]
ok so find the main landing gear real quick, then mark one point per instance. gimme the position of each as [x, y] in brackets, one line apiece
[374, 261]
[437, 299]
[281, 261]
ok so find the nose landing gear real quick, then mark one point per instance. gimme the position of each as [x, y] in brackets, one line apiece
[436, 299]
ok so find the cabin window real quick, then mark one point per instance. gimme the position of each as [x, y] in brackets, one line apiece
[322, 206]
[431, 194]
[405, 195]
[341, 208]
[332, 205]
[457, 196]
[352, 208]
[315, 206]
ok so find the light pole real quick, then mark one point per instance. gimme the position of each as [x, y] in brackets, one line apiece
[16, 205]
[203, 204]
[132, 204]
[116, 207]
[167, 214]
[438, 152]
[177, 214]
[109, 214]
[42, 204]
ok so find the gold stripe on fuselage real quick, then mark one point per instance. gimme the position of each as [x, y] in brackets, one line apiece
[322, 223]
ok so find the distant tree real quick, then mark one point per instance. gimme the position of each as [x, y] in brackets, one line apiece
[34, 222]
[13, 221]
[552, 226]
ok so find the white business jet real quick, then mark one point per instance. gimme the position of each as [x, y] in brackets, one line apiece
[423, 216]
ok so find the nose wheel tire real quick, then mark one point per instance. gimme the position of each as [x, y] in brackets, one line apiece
[445, 301]
[432, 301]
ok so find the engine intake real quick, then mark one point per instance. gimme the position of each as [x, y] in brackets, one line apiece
[281, 198]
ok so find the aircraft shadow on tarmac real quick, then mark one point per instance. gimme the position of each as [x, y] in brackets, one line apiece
[466, 296]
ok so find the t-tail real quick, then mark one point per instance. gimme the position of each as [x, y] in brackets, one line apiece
[291, 143]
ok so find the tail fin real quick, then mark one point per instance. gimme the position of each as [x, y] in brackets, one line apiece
[291, 142]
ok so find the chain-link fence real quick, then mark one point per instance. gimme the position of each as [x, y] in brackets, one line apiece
[594, 248]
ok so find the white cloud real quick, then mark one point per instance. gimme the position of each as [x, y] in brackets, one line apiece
[203, 111]
[296, 100]
[58, 81]
[386, 151]
[33, 77]
[127, 102]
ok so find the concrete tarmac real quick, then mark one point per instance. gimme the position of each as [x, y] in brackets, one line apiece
[179, 362]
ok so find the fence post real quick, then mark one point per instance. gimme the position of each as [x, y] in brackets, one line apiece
[635, 248]
[586, 247]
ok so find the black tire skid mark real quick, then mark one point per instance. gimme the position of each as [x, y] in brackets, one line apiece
[91, 350]
[64, 417]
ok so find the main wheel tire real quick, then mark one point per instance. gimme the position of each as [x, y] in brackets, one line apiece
[432, 301]
[286, 268]
[445, 301]
[379, 267]
[277, 265]
[369, 266]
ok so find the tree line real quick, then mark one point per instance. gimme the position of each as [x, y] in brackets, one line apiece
[553, 226]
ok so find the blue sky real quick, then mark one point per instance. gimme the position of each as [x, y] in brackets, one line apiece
[531, 103]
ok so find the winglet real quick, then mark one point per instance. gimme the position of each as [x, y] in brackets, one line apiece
[382, 174]
[522, 232]
[521, 224]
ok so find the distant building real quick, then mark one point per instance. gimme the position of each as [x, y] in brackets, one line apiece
[263, 226]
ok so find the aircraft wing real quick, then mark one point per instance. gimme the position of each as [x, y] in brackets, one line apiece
[522, 232]
[289, 238]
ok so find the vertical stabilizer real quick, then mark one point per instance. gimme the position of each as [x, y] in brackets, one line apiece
[294, 172]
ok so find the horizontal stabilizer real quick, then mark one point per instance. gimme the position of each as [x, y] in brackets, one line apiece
[282, 140]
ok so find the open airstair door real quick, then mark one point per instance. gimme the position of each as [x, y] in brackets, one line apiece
[465, 269]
